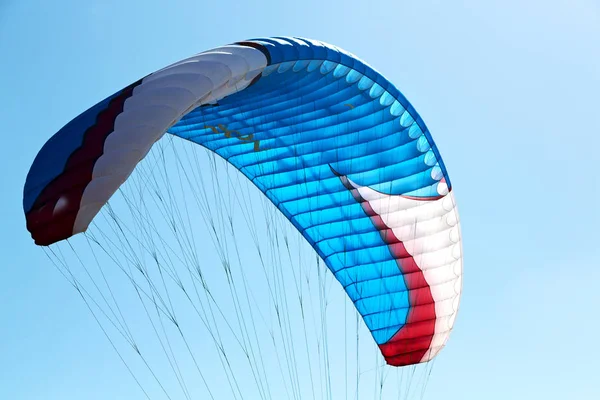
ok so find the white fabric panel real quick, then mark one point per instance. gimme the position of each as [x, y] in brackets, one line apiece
[197, 84]
[430, 232]
[157, 104]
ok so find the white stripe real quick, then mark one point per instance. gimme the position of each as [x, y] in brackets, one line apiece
[430, 231]
[158, 103]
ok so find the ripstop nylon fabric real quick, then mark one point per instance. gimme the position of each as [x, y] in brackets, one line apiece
[317, 114]
[333, 144]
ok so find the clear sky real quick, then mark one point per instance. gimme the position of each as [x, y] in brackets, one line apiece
[509, 89]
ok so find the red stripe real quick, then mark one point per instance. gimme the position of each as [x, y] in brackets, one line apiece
[47, 222]
[410, 344]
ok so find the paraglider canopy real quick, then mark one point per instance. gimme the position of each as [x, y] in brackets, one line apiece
[330, 142]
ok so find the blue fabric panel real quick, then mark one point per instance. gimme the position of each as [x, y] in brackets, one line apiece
[313, 109]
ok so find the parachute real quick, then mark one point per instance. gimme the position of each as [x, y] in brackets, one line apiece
[327, 139]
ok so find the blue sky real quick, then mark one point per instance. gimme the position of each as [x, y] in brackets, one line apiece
[509, 90]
